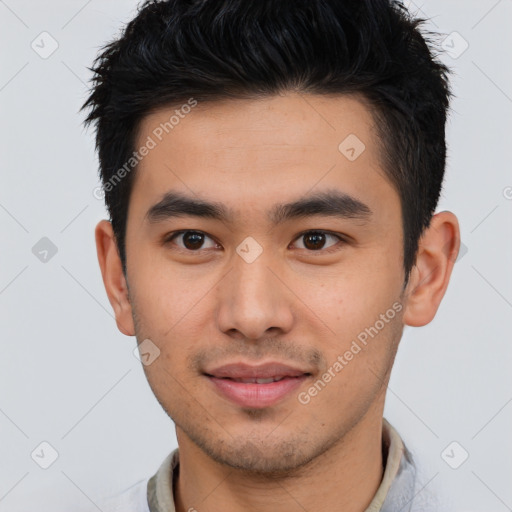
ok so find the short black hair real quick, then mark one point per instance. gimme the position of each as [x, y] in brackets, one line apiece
[208, 50]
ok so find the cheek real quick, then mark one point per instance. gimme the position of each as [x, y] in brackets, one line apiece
[176, 316]
[349, 299]
[359, 302]
[164, 298]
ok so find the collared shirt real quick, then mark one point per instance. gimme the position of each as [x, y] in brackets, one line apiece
[399, 491]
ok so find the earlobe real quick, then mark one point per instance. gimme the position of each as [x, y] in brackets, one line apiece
[113, 277]
[437, 253]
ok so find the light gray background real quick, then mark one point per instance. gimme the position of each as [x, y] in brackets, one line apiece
[68, 377]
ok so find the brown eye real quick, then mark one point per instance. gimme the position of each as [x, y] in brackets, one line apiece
[314, 241]
[317, 240]
[191, 240]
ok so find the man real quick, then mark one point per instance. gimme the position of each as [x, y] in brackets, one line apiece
[271, 171]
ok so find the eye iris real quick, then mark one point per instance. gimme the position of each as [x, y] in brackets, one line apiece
[314, 240]
[192, 240]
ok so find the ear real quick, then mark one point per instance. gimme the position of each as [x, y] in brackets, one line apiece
[437, 252]
[113, 277]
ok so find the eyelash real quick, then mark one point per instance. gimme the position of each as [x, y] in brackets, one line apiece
[332, 248]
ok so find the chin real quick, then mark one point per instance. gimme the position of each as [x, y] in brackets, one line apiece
[261, 460]
[259, 454]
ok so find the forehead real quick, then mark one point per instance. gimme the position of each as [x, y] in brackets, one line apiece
[245, 151]
[293, 122]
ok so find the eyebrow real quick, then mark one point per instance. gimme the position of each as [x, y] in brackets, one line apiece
[330, 203]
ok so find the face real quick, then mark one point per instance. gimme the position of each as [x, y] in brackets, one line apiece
[275, 303]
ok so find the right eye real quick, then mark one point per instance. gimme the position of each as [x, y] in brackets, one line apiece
[191, 241]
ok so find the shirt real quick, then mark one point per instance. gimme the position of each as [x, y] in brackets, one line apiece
[399, 491]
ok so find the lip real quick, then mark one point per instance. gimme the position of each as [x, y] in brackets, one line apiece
[253, 394]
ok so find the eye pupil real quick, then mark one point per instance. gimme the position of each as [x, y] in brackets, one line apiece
[314, 240]
[193, 240]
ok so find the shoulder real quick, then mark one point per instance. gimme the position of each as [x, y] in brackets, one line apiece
[429, 494]
[131, 499]
[415, 488]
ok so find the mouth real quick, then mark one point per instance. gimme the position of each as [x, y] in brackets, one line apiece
[258, 380]
[256, 387]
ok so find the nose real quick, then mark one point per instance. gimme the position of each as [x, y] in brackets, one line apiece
[253, 301]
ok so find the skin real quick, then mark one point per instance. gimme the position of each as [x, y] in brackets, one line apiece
[293, 304]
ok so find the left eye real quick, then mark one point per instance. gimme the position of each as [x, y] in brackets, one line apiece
[316, 240]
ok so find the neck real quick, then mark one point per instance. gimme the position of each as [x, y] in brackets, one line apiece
[345, 477]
